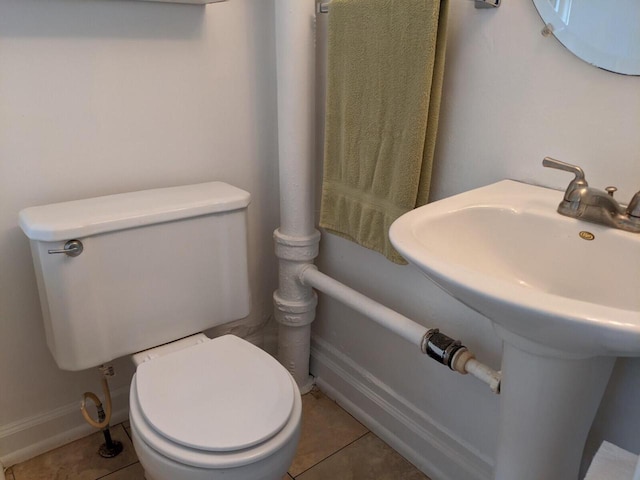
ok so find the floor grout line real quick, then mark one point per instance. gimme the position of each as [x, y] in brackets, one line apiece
[331, 455]
[127, 431]
[117, 470]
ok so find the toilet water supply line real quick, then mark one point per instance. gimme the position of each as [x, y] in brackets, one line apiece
[110, 448]
[297, 240]
[103, 417]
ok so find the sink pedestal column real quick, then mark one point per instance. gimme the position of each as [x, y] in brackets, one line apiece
[548, 403]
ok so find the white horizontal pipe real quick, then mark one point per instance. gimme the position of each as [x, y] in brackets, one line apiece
[390, 319]
[484, 373]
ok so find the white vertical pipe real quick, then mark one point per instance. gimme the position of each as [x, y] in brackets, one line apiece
[295, 60]
[296, 239]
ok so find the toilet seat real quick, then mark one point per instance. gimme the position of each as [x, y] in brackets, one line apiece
[221, 395]
[241, 405]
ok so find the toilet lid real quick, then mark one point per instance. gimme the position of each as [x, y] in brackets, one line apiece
[222, 395]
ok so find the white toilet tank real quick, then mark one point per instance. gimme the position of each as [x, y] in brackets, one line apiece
[156, 265]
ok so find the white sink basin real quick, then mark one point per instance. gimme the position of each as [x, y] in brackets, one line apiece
[504, 251]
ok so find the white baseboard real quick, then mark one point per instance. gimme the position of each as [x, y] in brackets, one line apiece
[429, 446]
[32, 436]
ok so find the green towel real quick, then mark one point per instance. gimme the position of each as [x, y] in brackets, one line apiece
[385, 68]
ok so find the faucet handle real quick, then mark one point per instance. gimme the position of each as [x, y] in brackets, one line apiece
[578, 182]
[633, 210]
[567, 167]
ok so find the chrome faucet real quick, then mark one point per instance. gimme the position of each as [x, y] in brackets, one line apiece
[592, 205]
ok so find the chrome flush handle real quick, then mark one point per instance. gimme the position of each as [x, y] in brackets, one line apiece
[72, 248]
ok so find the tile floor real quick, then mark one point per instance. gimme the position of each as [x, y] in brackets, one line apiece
[333, 446]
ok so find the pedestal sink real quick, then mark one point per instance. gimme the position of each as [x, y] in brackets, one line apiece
[562, 294]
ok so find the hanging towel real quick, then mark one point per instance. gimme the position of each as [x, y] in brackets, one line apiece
[385, 68]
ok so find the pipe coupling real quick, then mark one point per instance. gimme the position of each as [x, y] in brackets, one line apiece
[295, 313]
[296, 249]
[440, 347]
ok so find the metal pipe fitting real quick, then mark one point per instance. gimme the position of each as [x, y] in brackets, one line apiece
[441, 347]
[457, 357]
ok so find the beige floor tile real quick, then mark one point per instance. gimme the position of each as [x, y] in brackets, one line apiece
[127, 427]
[326, 428]
[132, 472]
[287, 477]
[78, 460]
[369, 458]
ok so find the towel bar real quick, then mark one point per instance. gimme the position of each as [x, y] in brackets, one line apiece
[487, 3]
[323, 7]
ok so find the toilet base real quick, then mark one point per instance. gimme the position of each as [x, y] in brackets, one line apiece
[262, 455]
[159, 467]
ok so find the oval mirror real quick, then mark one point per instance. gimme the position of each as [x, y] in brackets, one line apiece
[604, 33]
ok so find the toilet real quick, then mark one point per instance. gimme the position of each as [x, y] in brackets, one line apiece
[144, 273]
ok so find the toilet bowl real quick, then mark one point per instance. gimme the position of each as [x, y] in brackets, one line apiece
[194, 417]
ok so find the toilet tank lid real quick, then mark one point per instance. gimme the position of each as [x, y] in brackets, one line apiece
[82, 218]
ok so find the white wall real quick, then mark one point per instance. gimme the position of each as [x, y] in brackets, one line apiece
[107, 96]
[511, 97]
